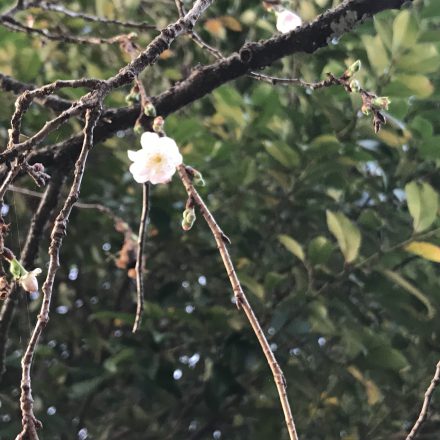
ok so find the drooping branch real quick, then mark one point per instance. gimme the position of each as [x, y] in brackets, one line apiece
[426, 402]
[30, 250]
[241, 299]
[140, 255]
[30, 423]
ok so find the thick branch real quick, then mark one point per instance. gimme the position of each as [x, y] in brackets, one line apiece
[204, 80]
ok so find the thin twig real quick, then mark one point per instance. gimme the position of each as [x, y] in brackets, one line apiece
[140, 254]
[426, 402]
[24, 101]
[53, 102]
[81, 205]
[30, 423]
[87, 17]
[37, 138]
[14, 25]
[39, 221]
[242, 302]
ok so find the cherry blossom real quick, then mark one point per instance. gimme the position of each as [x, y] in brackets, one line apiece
[156, 161]
[29, 281]
[287, 21]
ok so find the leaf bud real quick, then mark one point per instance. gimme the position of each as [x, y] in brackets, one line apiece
[16, 269]
[189, 217]
[381, 102]
[158, 124]
[138, 129]
[150, 110]
[355, 86]
[354, 68]
[198, 178]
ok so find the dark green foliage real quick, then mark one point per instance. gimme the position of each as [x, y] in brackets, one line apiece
[357, 337]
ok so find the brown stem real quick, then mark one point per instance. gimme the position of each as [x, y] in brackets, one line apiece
[30, 423]
[87, 17]
[426, 402]
[28, 255]
[139, 257]
[242, 302]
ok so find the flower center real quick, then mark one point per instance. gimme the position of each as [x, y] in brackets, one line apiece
[157, 159]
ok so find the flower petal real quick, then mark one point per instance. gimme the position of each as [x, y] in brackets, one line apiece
[148, 139]
[287, 21]
[132, 155]
[140, 174]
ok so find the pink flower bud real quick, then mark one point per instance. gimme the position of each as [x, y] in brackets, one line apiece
[29, 281]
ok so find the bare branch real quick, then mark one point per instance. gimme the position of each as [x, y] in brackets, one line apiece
[30, 423]
[87, 17]
[426, 402]
[241, 299]
[53, 102]
[14, 25]
[140, 254]
[29, 254]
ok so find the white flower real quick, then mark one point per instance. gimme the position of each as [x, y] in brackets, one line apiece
[287, 21]
[156, 162]
[29, 281]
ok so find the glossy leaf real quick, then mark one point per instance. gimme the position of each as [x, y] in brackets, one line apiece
[292, 246]
[346, 233]
[422, 204]
[411, 289]
[426, 250]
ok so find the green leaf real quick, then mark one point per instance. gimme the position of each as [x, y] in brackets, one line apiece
[419, 85]
[384, 30]
[16, 269]
[422, 204]
[426, 250]
[422, 58]
[377, 54]
[79, 390]
[346, 233]
[252, 284]
[411, 289]
[405, 31]
[319, 319]
[319, 250]
[285, 155]
[386, 357]
[292, 246]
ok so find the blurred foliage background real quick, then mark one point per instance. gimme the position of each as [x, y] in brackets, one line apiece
[328, 221]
